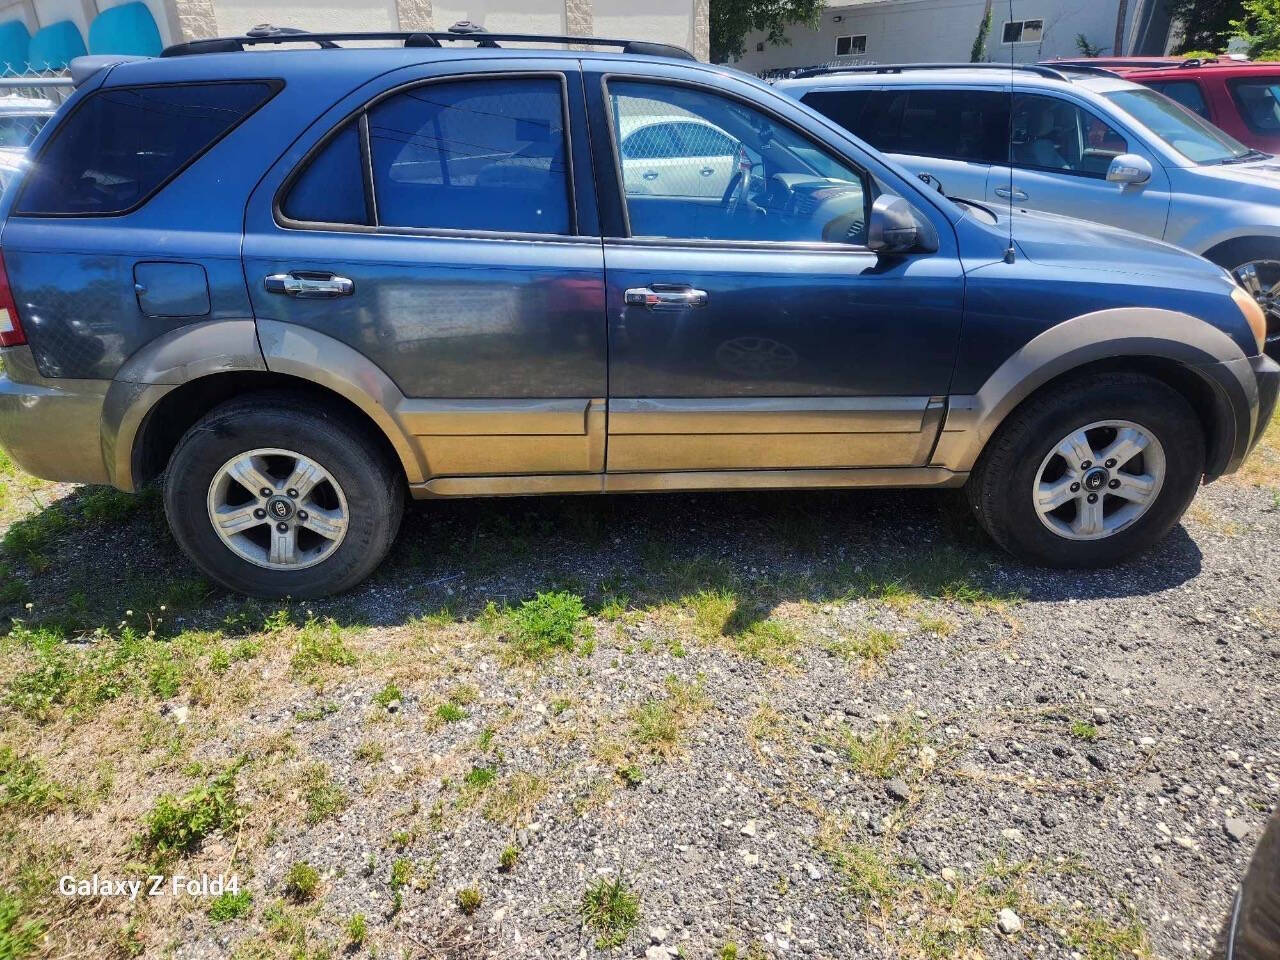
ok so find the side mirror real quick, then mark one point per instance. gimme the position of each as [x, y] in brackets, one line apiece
[1129, 169]
[893, 227]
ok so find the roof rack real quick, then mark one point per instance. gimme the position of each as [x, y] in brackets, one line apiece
[1036, 68]
[266, 35]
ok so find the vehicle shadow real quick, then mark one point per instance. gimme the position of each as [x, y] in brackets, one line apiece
[94, 554]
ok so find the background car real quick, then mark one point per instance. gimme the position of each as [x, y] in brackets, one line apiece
[1083, 144]
[683, 157]
[21, 118]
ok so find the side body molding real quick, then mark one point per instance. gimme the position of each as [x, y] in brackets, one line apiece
[1123, 332]
[302, 352]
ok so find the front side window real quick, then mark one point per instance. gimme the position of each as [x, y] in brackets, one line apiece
[1185, 92]
[487, 154]
[1060, 137]
[121, 145]
[1180, 129]
[731, 173]
[1258, 100]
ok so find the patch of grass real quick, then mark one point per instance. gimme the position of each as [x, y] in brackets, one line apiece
[514, 802]
[547, 623]
[323, 797]
[450, 713]
[507, 859]
[479, 778]
[317, 712]
[30, 537]
[24, 785]
[19, 933]
[946, 573]
[1083, 730]
[469, 900]
[871, 648]
[884, 751]
[178, 825]
[658, 724]
[936, 625]
[1097, 939]
[111, 506]
[387, 695]
[370, 752]
[230, 906]
[356, 929]
[320, 643]
[631, 775]
[401, 873]
[765, 725]
[301, 882]
[611, 911]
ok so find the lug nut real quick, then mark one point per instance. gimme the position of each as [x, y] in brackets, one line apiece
[292, 493]
[260, 513]
[302, 514]
[265, 491]
[1114, 484]
[1086, 465]
[1075, 488]
[1093, 498]
[1111, 464]
[284, 527]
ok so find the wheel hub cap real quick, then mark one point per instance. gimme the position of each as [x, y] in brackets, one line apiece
[1261, 278]
[277, 509]
[1099, 479]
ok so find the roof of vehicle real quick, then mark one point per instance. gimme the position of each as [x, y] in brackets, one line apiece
[1217, 67]
[960, 75]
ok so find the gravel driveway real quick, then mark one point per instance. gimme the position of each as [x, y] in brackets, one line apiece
[827, 725]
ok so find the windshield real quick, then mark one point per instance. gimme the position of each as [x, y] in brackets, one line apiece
[1194, 138]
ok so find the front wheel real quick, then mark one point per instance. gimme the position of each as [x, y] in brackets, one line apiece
[1090, 471]
[273, 497]
[1255, 264]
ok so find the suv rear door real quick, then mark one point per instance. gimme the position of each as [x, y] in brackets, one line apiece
[433, 223]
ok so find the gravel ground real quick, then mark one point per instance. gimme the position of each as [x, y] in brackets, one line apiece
[928, 735]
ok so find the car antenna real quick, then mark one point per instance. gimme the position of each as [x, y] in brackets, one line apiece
[1009, 255]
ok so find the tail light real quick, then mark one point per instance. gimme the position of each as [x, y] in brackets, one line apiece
[11, 334]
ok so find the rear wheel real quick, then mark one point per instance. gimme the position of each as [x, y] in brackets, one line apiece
[1090, 471]
[272, 497]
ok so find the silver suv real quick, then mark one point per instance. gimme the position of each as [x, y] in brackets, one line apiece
[1082, 143]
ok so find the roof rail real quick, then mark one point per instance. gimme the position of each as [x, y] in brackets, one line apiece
[267, 35]
[1036, 68]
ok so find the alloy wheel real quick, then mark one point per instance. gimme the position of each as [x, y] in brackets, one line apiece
[277, 509]
[1099, 479]
[1261, 278]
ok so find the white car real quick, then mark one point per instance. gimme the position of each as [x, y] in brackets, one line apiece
[677, 157]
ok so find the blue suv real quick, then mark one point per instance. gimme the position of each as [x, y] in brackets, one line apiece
[301, 283]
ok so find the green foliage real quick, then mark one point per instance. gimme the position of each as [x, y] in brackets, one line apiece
[178, 825]
[978, 53]
[301, 882]
[23, 784]
[507, 859]
[387, 696]
[323, 797]
[548, 622]
[1260, 28]
[610, 911]
[320, 643]
[1083, 730]
[450, 712]
[230, 906]
[480, 777]
[19, 936]
[356, 929]
[401, 873]
[732, 20]
[469, 900]
[1205, 23]
[1085, 48]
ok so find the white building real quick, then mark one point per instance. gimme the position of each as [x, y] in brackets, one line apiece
[42, 35]
[915, 31]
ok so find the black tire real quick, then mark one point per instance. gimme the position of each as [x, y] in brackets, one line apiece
[1000, 488]
[373, 488]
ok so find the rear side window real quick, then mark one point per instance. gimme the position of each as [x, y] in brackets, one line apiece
[1187, 93]
[473, 155]
[331, 187]
[1259, 102]
[121, 145]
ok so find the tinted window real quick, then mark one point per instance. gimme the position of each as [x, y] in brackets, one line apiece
[1259, 103]
[331, 188]
[770, 183]
[843, 107]
[122, 145]
[473, 155]
[1058, 136]
[1187, 93]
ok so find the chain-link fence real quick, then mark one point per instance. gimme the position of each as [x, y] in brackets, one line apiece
[52, 85]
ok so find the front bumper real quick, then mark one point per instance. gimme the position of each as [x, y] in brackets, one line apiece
[51, 428]
[1267, 372]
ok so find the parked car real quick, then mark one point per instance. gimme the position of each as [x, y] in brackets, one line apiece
[304, 283]
[21, 118]
[1082, 144]
[676, 156]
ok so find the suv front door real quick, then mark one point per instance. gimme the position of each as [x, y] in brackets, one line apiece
[755, 330]
[432, 224]
[1061, 152]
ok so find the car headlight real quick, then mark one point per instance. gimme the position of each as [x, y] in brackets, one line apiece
[1253, 315]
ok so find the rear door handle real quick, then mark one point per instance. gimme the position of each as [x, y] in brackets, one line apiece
[307, 285]
[665, 296]
[1004, 193]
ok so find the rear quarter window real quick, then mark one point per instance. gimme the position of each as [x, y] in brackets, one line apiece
[121, 145]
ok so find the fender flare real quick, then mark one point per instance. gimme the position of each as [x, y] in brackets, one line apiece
[1147, 333]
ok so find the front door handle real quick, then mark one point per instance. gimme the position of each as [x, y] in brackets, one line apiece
[306, 285]
[650, 174]
[1004, 193]
[665, 296]
[707, 171]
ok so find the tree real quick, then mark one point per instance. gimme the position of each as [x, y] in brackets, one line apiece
[1206, 24]
[732, 20]
[1260, 28]
[979, 52]
[1086, 48]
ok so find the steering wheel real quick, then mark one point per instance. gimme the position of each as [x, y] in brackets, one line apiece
[730, 199]
[727, 201]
